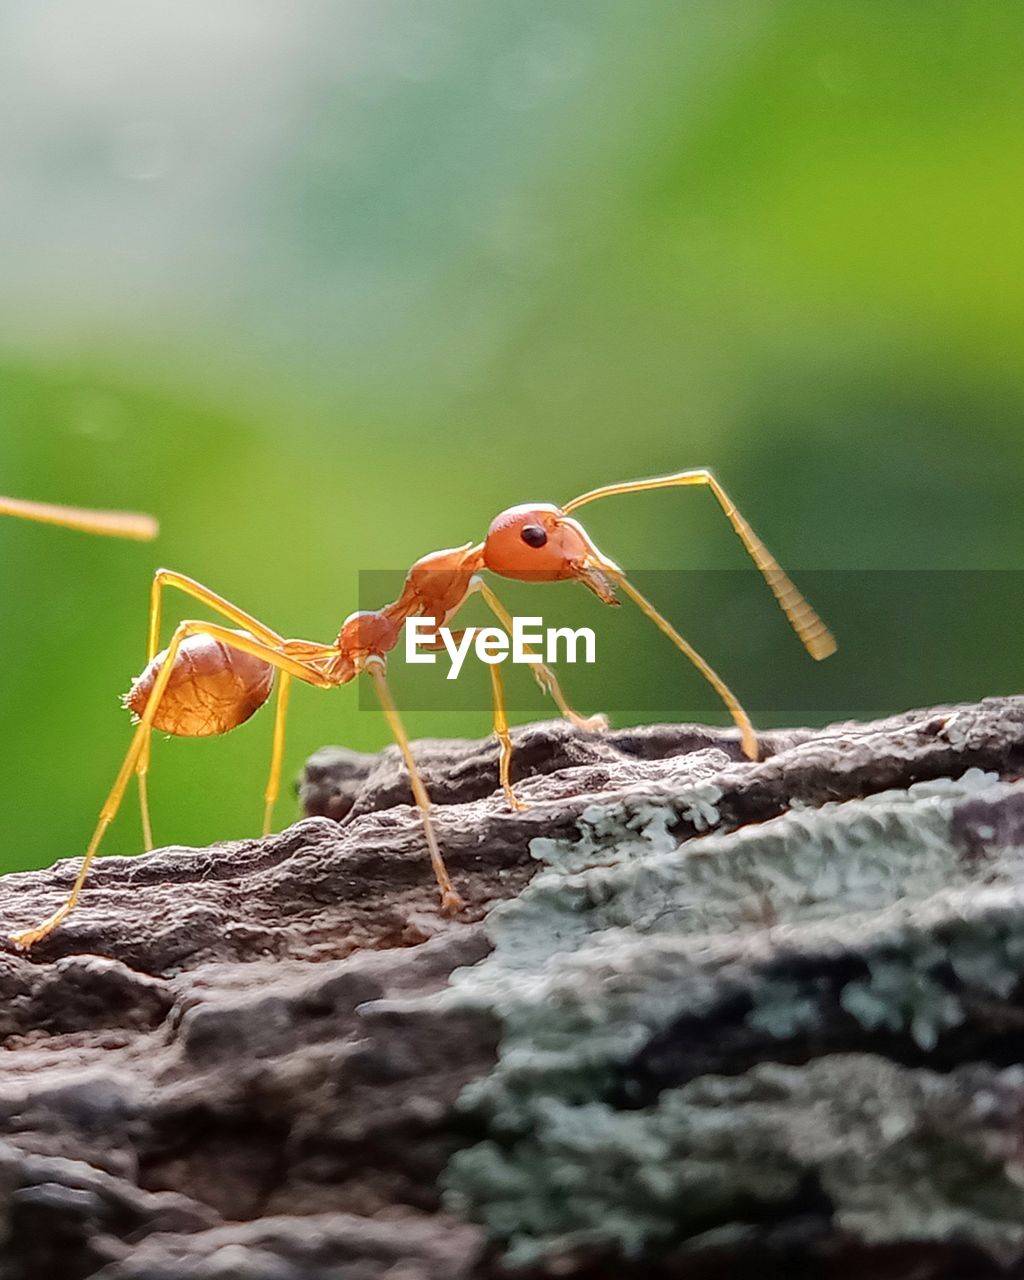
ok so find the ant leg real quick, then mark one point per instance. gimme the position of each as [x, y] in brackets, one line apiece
[500, 719]
[544, 676]
[816, 637]
[542, 673]
[284, 685]
[141, 777]
[110, 524]
[748, 738]
[450, 900]
[504, 739]
[162, 579]
[499, 712]
[29, 937]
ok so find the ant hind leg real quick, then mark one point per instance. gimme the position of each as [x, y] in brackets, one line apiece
[284, 682]
[26, 938]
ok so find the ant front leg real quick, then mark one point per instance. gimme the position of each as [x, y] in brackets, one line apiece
[748, 738]
[542, 673]
[544, 676]
[548, 682]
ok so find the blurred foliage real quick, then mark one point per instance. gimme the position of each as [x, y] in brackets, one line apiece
[327, 286]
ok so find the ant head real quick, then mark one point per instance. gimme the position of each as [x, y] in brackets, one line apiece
[538, 542]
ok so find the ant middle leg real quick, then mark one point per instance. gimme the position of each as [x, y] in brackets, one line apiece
[504, 738]
[451, 902]
[499, 718]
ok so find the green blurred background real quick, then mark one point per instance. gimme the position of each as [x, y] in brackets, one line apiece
[327, 285]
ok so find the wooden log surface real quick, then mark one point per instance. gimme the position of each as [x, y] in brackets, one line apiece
[701, 1017]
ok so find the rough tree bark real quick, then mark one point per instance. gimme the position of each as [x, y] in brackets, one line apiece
[701, 1018]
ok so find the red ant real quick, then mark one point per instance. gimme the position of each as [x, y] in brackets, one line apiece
[211, 678]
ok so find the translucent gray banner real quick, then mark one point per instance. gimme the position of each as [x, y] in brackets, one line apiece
[906, 638]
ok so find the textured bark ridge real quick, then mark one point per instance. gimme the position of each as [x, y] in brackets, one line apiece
[701, 1018]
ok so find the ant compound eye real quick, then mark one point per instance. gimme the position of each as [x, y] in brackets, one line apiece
[533, 535]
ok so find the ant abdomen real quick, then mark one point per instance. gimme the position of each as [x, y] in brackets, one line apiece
[212, 688]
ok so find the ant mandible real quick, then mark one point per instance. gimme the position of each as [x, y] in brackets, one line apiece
[212, 678]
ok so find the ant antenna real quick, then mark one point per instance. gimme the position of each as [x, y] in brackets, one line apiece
[816, 637]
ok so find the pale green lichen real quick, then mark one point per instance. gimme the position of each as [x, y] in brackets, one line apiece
[990, 959]
[897, 996]
[607, 830]
[627, 870]
[782, 1009]
[625, 933]
[901, 1155]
